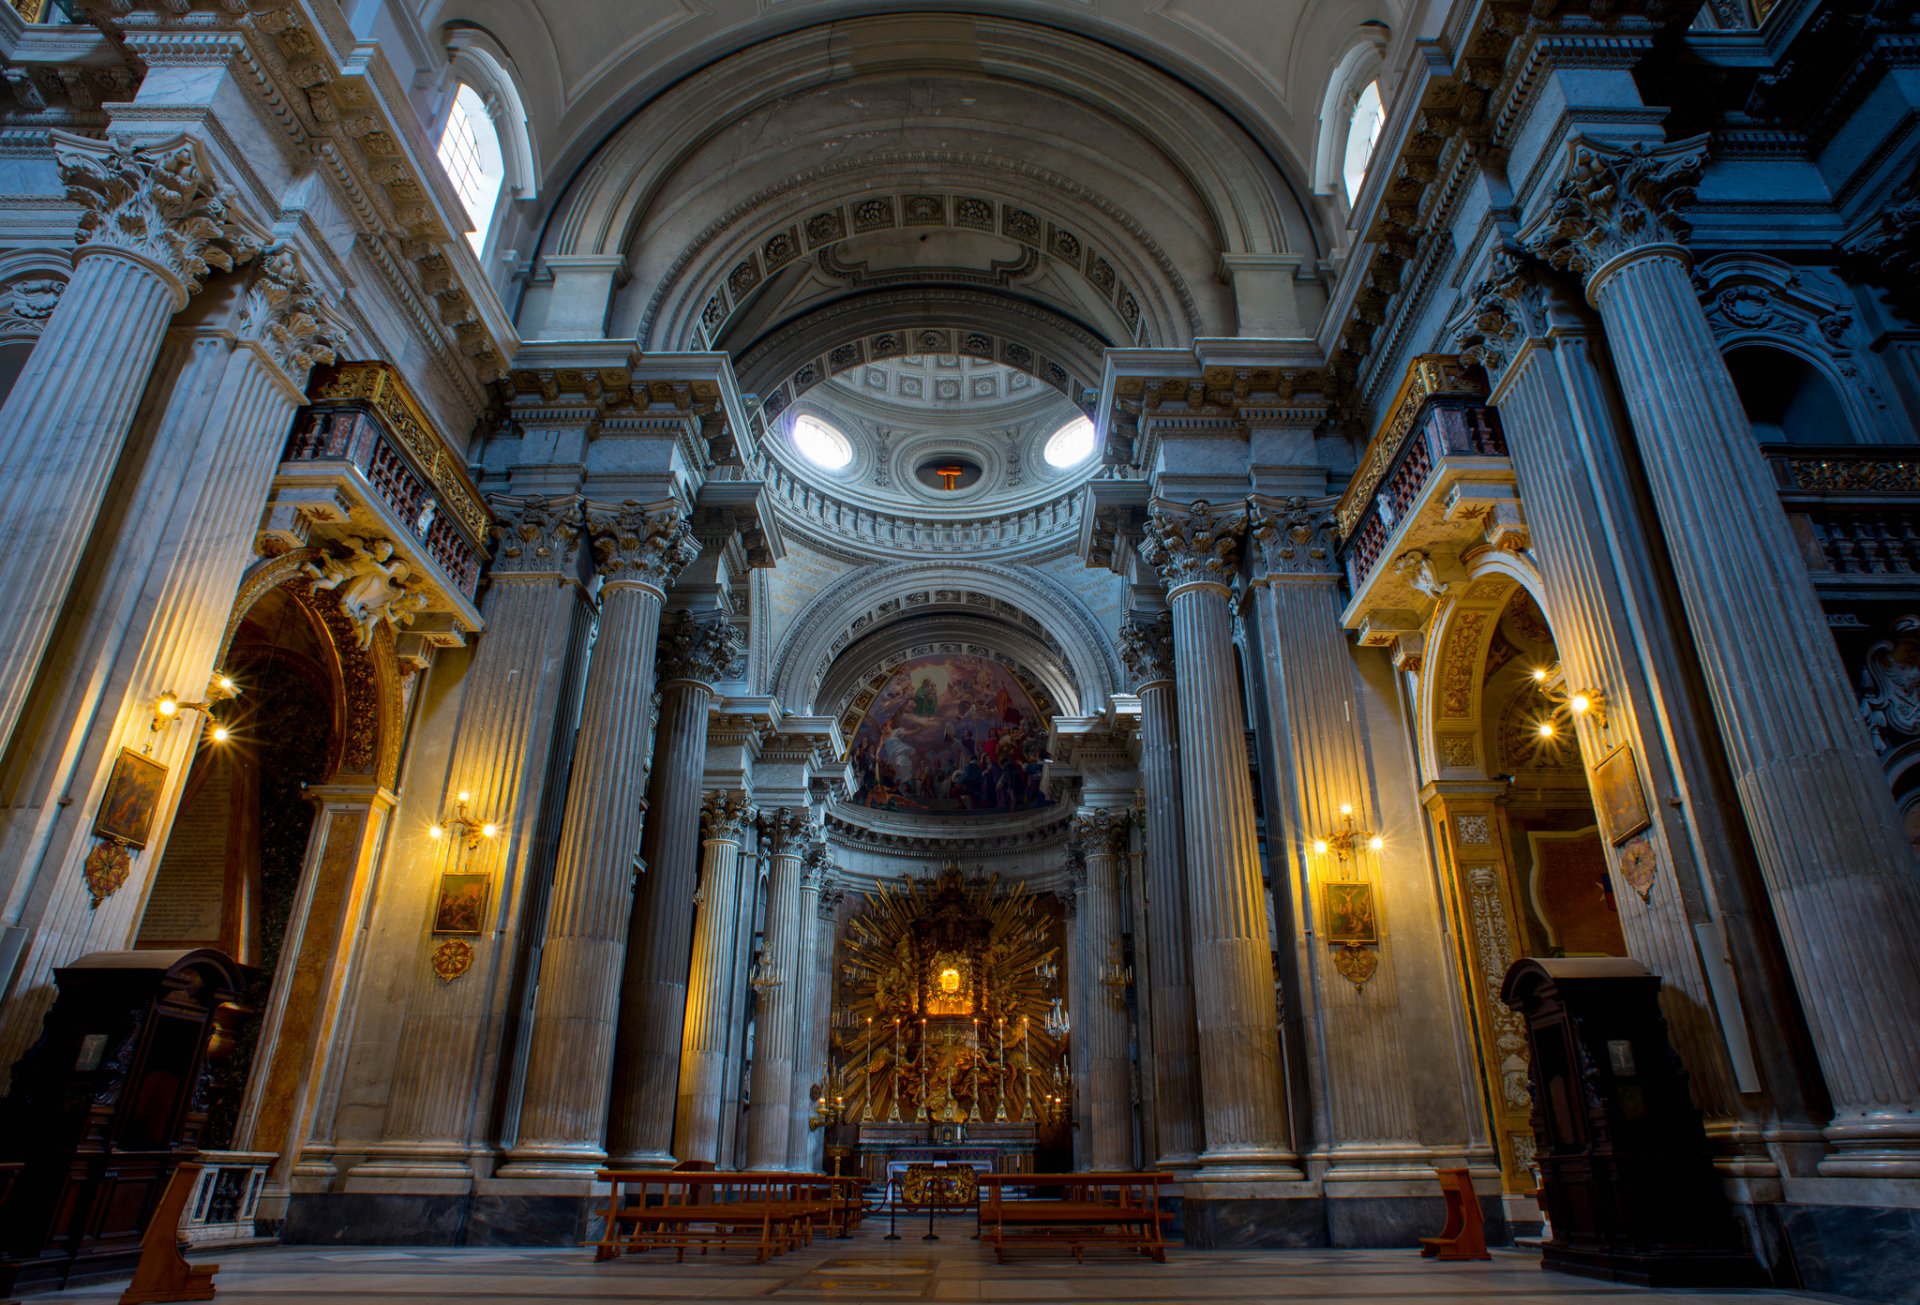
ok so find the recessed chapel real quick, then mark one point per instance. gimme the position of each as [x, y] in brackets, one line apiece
[1191, 628]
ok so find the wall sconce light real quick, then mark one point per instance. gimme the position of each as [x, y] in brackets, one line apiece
[1343, 843]
[1581, 704]
[462, 826]
[764, 978]
[168, 706]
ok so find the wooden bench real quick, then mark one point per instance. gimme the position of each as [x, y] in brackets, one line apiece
[1464, 1237]
[770, 1212]
[1119, 1210]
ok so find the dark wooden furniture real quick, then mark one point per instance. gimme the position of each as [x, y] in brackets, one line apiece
[1464, 1235]
[1118, 1210]
[107, 1104]
[769, 1212]
[1626, 1175]
[164, 1274]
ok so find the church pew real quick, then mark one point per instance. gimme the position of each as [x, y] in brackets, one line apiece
[1100, 1209]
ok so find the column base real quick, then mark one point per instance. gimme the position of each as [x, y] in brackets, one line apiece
[1251, 1164]
[643, 1160]
[563, 1162]
[1873, 1146]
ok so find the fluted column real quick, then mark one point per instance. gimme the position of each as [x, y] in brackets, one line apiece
[509, 750]
[149, 608]
[1146, 646]
[1106, 1082]
[810, 1052]
[739, 1010]
[724, 815]
[694, 652]
[638, 550]
[152, 224]
[1196, 551]
[786, 833]
[1837, 866]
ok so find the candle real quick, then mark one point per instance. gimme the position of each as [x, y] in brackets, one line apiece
[867, 1064]
[1026, 1062]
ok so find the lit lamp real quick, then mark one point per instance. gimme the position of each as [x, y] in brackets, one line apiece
[463, 826]
[1343, 843]
[1580, 704]
[168, 706]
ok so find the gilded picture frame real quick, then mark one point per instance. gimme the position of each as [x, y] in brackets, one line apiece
[460, 907]
[1350, 917]
[1618, 797]
[132, 798]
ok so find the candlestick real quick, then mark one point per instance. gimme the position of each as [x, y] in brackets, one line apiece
[866, 1104]
[893, 1110]
[1000, 1077]
[1026, 1063]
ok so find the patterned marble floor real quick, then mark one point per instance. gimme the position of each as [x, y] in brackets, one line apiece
[868, 1268]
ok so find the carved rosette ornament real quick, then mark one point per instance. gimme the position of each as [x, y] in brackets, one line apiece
[1295, 537]
[106, 870]
[282, 313]
[1100, 831]
[452, 958]
[1616, 199]
[1193, 544]
[725, 814]
[155, 203]
[642, 544]
[1146, 647]
[783, 827]
[538, 536]
[698, 648]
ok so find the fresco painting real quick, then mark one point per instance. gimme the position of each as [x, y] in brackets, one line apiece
[950, 734]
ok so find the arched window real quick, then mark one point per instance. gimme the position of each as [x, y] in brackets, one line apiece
[470, 152]
[1363, 133]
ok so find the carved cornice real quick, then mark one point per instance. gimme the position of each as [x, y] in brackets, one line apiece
[641, 543]
[1294, 536]
[1190, 544]
[1146, 647]
[725, 814]
[1615, 199]
[537, 536]
[784, 830]
[283, 314]
[1100, 831]
[154, 202]
[699, 648]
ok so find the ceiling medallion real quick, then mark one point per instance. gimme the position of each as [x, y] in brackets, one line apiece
[452, 958]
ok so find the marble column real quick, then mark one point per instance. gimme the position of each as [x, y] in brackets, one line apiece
[509, 752]
[724, 814]
[1829, 844]
[148, 608]
[1106, 1078]
[1196, 551]
[810, 1052]
[655, 932]
[786, 832]
[638, 550]
[152, 225]
[1146, 646]
[739, 1012]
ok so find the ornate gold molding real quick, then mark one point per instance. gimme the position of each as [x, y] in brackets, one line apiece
[1428, 375]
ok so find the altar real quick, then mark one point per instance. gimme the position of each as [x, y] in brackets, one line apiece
[885, 1150]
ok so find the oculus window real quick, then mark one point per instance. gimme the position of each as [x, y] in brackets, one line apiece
[1071, 445]
[821, 444]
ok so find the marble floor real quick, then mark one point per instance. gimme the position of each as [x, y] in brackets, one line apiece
[865, 1267]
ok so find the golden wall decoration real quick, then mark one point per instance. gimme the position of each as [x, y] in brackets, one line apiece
[452, 958]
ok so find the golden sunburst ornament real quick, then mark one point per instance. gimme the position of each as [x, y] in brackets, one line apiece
[106, 870]
[1355, 963]
[452, 958]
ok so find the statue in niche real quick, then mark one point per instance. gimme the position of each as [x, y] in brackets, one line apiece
[1890, 685]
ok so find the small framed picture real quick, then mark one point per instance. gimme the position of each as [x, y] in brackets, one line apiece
[1618, 795]
[1350, 915]
[462, 905]
[133, 795]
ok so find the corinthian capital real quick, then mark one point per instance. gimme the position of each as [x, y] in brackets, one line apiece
[537, 535]
[1100, 831]
[1146, 646]
[784, 829]
[643, 543]
[282, 313]
[698, 648]
[1193, 543]
[1616, 198]
[725, 814]
[155, 202]
[814, 865]
[1295, 536]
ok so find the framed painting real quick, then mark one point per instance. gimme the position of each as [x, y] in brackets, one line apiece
[1617, 794]
[462, 904]
[1350, 916]
[133, 795]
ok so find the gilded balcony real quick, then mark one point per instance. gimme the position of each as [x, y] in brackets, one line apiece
[1856, 511]
[1434, 481]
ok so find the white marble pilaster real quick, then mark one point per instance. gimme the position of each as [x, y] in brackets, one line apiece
[1196, 550]
[1816, 802]
[638, 550]
[1146, 646]
[725, 815]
